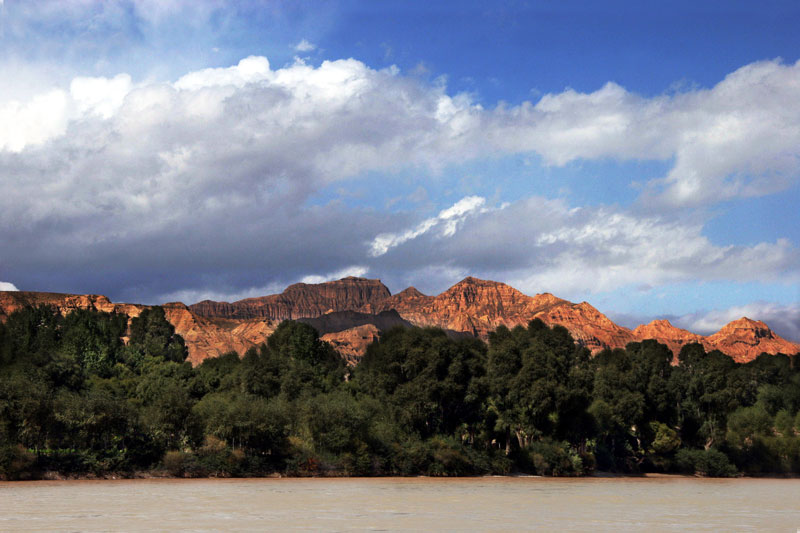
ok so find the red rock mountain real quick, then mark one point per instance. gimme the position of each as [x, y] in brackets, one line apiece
[302, 300]
[478, 306]
[742, 338]
[352, 343]
[668, 334]
[11, 301]
[205, 337]
[472, 306]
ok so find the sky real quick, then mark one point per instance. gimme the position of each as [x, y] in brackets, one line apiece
[641, 156]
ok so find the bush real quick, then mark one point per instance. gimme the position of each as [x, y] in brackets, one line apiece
[712, 463]
[175, 463]
[552, 458]
[215, 458]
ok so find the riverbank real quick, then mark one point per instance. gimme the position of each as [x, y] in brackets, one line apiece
[163, 474]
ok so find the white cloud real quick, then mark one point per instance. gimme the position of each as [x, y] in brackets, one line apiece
[782, 319]
[355, 270]
[448, 219]
[100, 96]
[540, 245]
[600, 249]
[305, 46]
[249, 70]
[739, 138]
[6, 286]
[225, 159]
[33, 122]
[191, 296]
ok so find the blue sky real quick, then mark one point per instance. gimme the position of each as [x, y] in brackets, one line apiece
[644, 157]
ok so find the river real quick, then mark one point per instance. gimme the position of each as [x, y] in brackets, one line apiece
[404, 504]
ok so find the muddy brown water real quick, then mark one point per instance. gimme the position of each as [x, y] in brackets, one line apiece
[403, 504]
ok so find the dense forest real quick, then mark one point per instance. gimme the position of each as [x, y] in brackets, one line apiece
[90, 394]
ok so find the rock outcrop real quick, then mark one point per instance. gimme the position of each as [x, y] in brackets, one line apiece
[587, 325]
[204, 337]
[302, 300]
[352, 343]
[479, 306]
[11, 301]
[744, 339]
[666, 333]
[209, 338]
[472, 305]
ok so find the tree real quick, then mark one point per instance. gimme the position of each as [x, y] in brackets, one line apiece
[539, 385]
[152, 335]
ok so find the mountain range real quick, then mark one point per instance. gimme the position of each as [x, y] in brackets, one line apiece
[352, 312]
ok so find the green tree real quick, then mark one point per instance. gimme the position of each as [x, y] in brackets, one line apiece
[152, 335]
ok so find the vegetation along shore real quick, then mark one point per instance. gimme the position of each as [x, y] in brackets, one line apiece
[93, 394]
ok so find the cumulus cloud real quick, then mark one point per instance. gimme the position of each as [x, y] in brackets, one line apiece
[6, 286]
[736, 139]
[99, 96]
[537, 245]
[447, 220]
[249, 70]
[32, 122]
[782, 319]
[205, 180]
[305, 46]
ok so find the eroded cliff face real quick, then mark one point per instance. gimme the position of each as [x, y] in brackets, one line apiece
[473, 305]
[11, 301]
[587, 325]
[209, 338]
[352, 343]
[302, 300]
[204, 338]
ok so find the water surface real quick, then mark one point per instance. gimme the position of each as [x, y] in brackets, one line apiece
[404, 504]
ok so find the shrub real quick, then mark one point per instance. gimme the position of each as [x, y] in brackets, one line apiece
[711, 462]
[175, 463]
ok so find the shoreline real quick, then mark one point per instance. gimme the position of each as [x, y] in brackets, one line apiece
[162, 475]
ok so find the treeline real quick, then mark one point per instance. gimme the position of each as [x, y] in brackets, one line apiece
[88, 394]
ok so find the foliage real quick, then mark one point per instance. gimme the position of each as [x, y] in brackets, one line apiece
[93, 393]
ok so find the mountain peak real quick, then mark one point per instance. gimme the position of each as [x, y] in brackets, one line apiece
[410, 292]
[746, 322]
[745, 326]
[472, 283]
[661, 323]
[744, 339]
